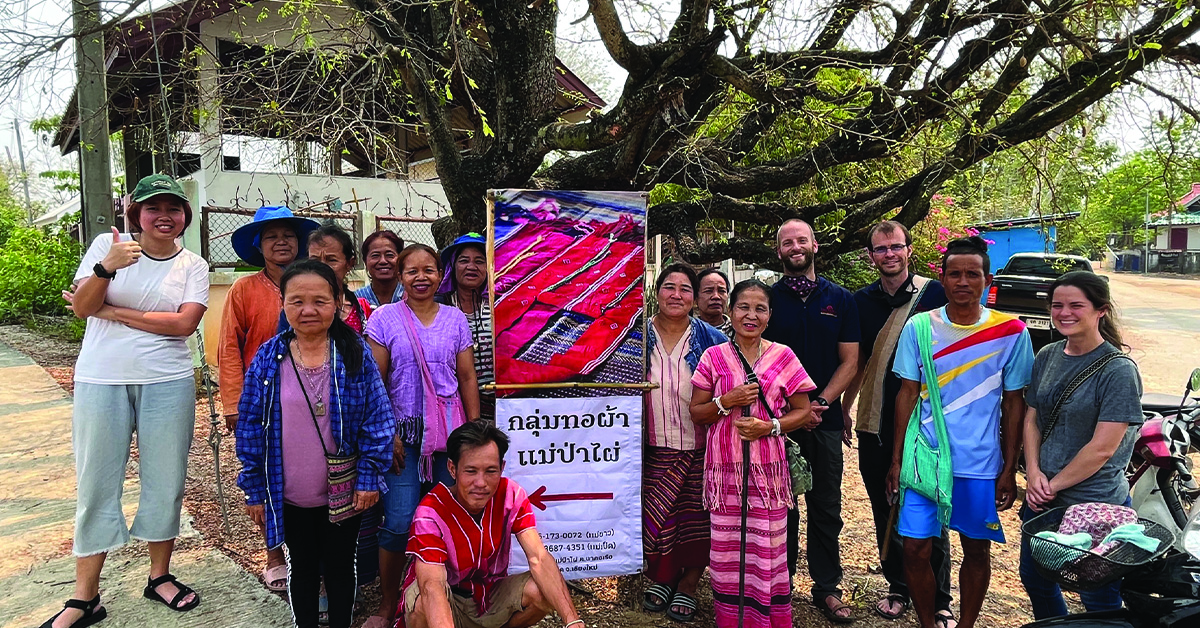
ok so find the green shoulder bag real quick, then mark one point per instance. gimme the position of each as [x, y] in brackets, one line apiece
[924, 469]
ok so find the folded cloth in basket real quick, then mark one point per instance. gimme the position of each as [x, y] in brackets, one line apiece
[1134, 533]
[1079, 540]
[1096, 519]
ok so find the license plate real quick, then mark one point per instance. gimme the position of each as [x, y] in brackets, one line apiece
[1037, 323]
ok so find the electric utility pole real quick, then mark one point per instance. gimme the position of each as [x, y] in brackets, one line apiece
[24, 173]
[95, 169]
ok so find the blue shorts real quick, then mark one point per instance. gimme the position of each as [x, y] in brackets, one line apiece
[403, 494]
[972, 514]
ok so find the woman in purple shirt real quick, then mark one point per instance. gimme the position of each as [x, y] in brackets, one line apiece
[424, 352]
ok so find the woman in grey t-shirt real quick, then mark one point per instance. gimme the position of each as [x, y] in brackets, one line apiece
[1085, 454]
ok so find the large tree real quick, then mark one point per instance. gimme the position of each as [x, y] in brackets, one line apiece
[947, 83]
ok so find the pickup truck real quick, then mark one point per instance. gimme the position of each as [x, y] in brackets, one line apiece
[1022, 287]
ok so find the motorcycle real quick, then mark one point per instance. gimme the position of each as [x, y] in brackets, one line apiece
[1164, 591]
[1162, 486]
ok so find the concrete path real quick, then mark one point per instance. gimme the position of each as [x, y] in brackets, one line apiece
[37, 514]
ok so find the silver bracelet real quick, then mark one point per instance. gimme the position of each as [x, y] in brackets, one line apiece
[721, 410]
[577, 621]
[776, 428]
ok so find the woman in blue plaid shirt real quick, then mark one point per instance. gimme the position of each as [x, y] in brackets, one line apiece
[313, 391]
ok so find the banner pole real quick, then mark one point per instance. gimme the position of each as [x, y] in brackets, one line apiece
[552, 385]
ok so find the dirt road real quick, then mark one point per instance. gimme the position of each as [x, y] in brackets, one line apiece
[1160, 317]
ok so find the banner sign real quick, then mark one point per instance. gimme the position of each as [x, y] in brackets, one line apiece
[568, 278]
[580, 461]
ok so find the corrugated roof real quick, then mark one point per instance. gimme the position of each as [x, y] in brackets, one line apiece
[1026, 221]
[133, 38]
[1178, 220]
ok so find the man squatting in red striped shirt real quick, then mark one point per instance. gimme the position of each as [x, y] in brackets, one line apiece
[461, 537]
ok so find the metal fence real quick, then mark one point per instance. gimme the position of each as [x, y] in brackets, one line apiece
[217, 224]
[411, 227]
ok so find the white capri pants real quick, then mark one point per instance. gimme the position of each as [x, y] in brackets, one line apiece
[104, 421]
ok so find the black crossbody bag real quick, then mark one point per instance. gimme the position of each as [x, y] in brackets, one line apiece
[1083, 376]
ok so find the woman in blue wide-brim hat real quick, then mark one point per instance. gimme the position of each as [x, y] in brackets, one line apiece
[465, 286]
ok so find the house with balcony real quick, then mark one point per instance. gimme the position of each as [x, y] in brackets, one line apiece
[253, 103]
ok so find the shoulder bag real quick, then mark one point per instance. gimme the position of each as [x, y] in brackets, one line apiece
[798, 467]
[1083, 376]
[342, 470]
[924, 469]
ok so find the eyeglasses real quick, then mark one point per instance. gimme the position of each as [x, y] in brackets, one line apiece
[895, 248]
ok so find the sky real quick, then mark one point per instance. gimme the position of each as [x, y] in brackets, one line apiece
[43, 90]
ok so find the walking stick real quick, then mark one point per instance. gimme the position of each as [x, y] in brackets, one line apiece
[887, 535]
[742, 550]
[214, 429]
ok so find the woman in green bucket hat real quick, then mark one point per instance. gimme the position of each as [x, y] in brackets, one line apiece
[142, 295]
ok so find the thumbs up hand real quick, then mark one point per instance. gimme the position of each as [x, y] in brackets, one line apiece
[122, 254]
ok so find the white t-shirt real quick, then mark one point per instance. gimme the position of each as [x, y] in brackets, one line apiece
[115, 353]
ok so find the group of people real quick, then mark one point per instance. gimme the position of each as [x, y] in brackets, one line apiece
[758, 364]
[360, 423]
[363, 427]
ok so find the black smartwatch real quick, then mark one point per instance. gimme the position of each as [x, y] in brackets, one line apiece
[100, 271]
[821, 402]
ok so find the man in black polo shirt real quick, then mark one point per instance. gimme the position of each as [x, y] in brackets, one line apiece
[819, 321]
[883, 308]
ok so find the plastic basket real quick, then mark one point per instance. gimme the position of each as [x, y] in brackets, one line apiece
[1082, 570]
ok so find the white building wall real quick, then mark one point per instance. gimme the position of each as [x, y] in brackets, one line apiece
[1163, 239]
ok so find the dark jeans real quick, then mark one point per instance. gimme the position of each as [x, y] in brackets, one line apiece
[1045, 595]
[874, 460]
[823, 504]
[314, 546]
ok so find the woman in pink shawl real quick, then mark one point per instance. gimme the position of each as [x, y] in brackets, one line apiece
[424, 352]
[723, 400]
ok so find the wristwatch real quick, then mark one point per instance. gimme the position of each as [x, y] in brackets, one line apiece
[100, 271]
[721, 410]
[821, 402]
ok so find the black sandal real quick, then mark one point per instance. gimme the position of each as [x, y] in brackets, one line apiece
[184, 590]
[660, 591]
[893, 598]
[830, 612]
[91, 614]
[943, 617]
[687, 602]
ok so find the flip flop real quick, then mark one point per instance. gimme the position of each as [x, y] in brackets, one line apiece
[662, 592]
[686, 601]
[830, 612]
[893, 598]
[943, 619]
[272, 575]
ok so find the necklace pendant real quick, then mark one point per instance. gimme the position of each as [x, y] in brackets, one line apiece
[320, 408]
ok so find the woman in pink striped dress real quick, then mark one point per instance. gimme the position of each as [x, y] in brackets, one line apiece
[730, 407]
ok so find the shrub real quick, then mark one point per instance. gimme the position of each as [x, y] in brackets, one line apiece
[36, 264]
[946, 221]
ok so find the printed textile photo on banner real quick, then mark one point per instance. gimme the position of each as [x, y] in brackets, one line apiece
[568, 272]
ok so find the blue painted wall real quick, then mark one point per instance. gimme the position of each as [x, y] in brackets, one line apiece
[1018, 240]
